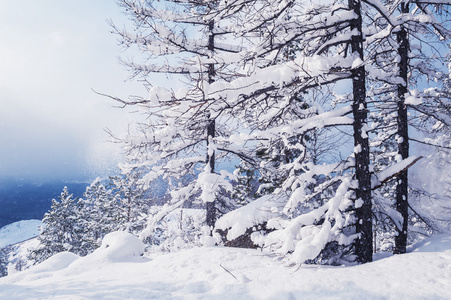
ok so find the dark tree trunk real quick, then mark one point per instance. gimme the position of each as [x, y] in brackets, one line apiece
[211, 49]
[403, 138]
[364, 244]
[211, 206]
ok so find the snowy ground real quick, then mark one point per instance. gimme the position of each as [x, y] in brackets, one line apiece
[116, 271]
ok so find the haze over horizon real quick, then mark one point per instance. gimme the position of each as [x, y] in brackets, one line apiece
[53, 55]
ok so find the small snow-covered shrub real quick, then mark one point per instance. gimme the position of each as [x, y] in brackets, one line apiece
[177, 229]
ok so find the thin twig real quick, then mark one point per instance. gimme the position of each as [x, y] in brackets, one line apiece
[228, 271]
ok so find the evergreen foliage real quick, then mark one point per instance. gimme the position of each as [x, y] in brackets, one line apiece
[61, 230]
[245, 186]
[98, 215]
[4, 261]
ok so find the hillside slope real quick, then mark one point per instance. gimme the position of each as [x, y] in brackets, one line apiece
[19, 231]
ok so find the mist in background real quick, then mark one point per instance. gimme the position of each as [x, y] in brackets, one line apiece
[53, 54]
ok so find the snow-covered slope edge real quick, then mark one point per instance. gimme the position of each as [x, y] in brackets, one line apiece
[16, 239]
[19, 231]
[118, 272]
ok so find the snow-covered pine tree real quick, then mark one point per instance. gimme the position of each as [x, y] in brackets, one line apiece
[4, 261]
[429, 35]
[430, 189]
[185, 41]
[402, 69]
[245, 184]
[328, 44]
[100, 214]
[416, 23]
[133, 207]
[61, 229]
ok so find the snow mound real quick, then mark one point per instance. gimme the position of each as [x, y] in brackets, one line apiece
[117, 247]
[120, 246]
[57, 262]
[19, 231]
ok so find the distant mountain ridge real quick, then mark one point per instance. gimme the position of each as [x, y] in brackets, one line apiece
[21, 200]
[19, 231]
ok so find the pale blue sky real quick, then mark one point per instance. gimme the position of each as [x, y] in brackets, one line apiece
[52, 52]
